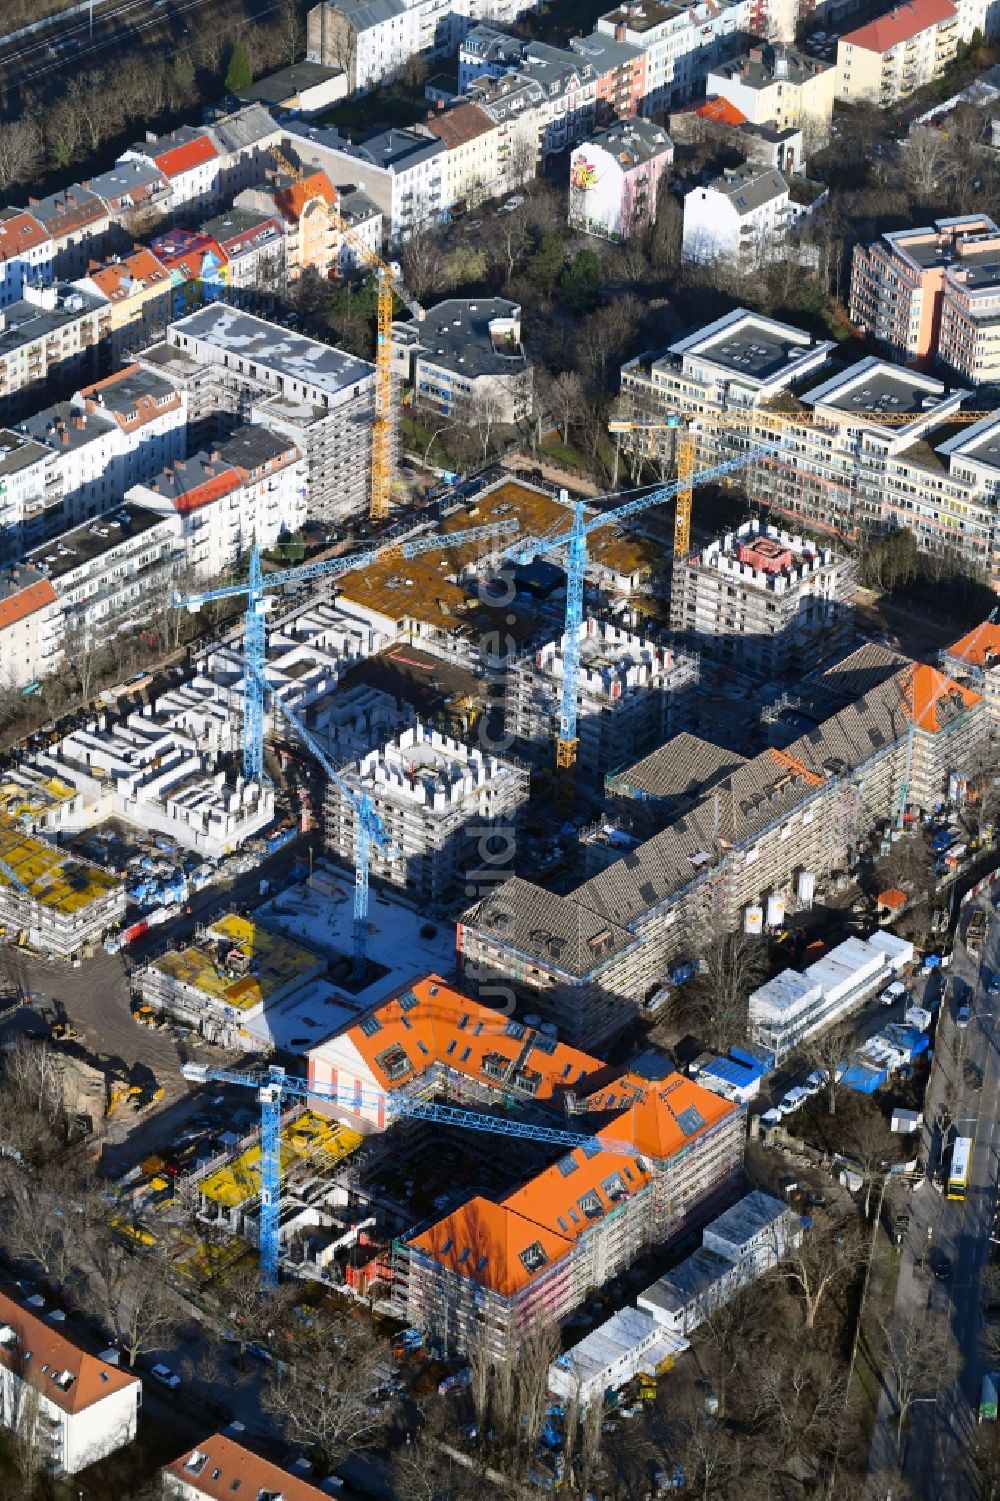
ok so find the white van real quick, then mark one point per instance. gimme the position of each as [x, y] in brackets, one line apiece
[894, 992]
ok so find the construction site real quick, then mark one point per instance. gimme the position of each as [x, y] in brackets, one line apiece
[438, 799]
[771, 830]
[56, 903]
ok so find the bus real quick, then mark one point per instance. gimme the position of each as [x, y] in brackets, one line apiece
[961, 1167]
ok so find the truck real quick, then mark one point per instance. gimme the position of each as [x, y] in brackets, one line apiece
[988, 1397]
[975, 934]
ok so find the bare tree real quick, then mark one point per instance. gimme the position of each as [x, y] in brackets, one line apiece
[255, 1315]
[733, 964]
[20, 1413]
[729, 1327]
[826, 1052]
[799, 1396]
[918, 1359]
[870, 1143]
[485, 414]
[510, 238]
[20, 151]
[537, 1351]
[818, 1265]
[291, 31]
[423, 263]
[924, 158]
[322, 1398]
[564, 397]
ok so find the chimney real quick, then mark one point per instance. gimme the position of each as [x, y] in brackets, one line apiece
[64, 435]
[440, 105]
[206, 467]
[619, 31]
[215, 455]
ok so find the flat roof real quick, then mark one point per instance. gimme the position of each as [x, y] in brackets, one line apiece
[288, 354]
[92, 539]
[18, 452]
[456, 335]
[129, 390]
[748, 1217]
[275, 962]
[54, 880]
[55, 427]
[691, 1279]
[277, 87]
[875, 385]
[750, 344]
[24, 322]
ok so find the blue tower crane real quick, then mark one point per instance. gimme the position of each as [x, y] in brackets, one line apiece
[368, 829]
[257, 590]
[274, 1085]
[574, 540]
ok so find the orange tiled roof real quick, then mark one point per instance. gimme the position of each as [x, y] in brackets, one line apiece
[232, 1473]
[893, 898]
[52, 1355]
[18, 233]
[721, 111]
[668, 1115]
[930, 698]
[900, 24]
[979, 646]
[26, 602]
[493, 1245]
[118, 279]
[444, 1026]
[210, 489]
[292, 200]
[578, 1189]
[183, 158]
[792, 763]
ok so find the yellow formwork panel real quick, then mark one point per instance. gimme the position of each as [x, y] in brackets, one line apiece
[310, 1138]
[27, 800]
[52, 879]
[276, 963]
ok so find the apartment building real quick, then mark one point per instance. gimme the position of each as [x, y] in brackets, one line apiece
[190, 162]
[243, 140]
[360, 248]
[518, 108]
[196, 265]
[137, 289]
[371, 40]
[251, 488]
[974, 661]
[470, 138]
[220, 1469]
[62, 903]
[889, 58]
[26, 253]
[741, 219]
[486, 52]
[400, 170]
[442, 804]
[317, 396]
[572, 1226]
[841, 467]
[78, 225]
[135, 193]
[465, 359]
[620, 68]
[22, 489]
[764, 601]
[75, 1406]
[909, 294]
[778, 86]
[632, 694]
[682, 43]
[50, 338]
[253, 247]
[588, 960]
[614, 179]
[109, 574]
[30, 625]
[306, 209]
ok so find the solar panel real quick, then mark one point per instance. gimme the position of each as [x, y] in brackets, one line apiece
[690, 1120]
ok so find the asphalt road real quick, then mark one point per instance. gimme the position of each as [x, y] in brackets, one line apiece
[943, 1424]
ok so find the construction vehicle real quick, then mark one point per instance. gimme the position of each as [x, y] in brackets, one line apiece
[273, 1086]
[975, 934]
[388, 285]
[756, 424]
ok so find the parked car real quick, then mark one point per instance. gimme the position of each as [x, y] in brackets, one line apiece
[165, 1376]
[892, 993]
[941, 1265]
[962, 1018]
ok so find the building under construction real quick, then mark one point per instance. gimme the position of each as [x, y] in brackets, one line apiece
[767, 831]
[441, 803]
[225, 979]
[633, 693]
[55, 903]
[575, 1224]
[764, 601]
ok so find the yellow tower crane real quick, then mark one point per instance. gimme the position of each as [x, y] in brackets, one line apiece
[388, 283]
[755, 424]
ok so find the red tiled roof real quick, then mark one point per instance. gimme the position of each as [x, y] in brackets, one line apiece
[26, 602]
[183, 158]
[18, 233]
[930, 698]
[492, 1245]
[456, 127]
[291, 200]
[54, 1356]
[210, 489]
[893, 898]
[223, 1470]
[900, 24]
[116, 280]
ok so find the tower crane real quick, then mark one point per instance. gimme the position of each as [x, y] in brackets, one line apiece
[257, 590]
[274, 1085]
[388, 282]
[368, 829]
[574, 540]
[687, 426]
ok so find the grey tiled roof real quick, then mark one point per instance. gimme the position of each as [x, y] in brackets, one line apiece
[562, 932]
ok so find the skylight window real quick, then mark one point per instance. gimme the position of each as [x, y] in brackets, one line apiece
[371, 1025]
[533, 1257]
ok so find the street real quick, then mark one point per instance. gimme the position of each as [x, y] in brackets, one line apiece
[941, 1428]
